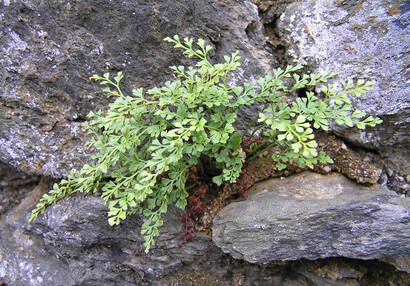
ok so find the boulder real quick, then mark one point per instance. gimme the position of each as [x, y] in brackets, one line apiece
[73, 244]
[314, 216]
[360, 40]
[48, 50]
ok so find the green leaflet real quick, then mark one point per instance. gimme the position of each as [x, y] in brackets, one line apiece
[145, 143]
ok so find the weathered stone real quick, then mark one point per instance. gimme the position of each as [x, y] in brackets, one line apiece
[314, 216]
[49, 49]
[360, 40]
[73, 244]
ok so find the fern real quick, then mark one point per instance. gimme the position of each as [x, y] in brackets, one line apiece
[146, 143]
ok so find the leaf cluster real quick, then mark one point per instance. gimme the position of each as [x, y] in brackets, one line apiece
[146, 142]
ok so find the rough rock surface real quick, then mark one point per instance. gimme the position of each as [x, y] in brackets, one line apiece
[314, 216]
[14, 186]
[359, 39]
[72, 244]
[49, 49]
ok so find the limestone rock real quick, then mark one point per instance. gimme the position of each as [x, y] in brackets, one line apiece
[360, 40]
[48, 50]
[314, 216]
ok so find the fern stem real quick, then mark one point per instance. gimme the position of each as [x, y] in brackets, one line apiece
[255, 156]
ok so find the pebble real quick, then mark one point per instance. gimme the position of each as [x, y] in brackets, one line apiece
[327, 169]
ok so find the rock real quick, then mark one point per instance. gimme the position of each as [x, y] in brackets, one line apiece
[50, 49]
[14, 186]
[400, 262]
[314, 216]
[73, 244]
[360, 40]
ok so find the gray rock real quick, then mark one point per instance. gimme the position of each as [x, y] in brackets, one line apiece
[48, 50]
[314, 216]
[73, 244]
[360, 40]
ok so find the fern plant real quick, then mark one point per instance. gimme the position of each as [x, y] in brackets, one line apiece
[147, 142]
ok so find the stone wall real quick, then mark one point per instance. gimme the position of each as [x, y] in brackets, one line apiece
[49, 49]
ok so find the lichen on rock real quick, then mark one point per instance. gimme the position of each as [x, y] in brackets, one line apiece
[358, 39]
